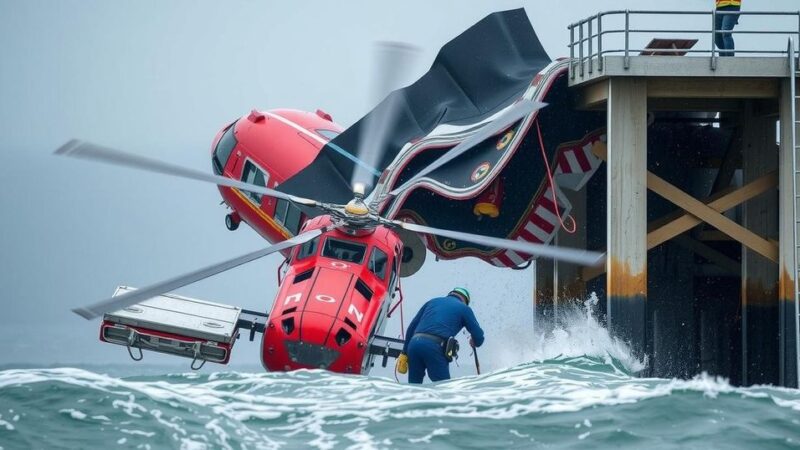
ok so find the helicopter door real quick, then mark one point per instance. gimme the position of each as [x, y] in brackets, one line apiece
[254, 174]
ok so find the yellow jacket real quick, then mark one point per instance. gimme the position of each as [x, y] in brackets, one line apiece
[721, 3]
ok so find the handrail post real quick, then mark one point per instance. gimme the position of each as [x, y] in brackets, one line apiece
[591, 64]
[580, 48]
[713, 39]
[627, 33]
[572, 51]
[600, 41]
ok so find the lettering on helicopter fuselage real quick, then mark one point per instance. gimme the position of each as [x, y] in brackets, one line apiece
[354, 311]
[325, 298]
[292, 298]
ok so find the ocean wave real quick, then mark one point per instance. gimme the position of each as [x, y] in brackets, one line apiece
[578, 389]
[325, 410]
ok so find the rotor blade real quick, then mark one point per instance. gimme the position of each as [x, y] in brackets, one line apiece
[392, 64]
[513, 114]
[81, 149]
[139, 295]
[582, 257]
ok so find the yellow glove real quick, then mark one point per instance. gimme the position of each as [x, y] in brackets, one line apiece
[402, 363]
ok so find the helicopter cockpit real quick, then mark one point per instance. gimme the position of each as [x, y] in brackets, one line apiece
[344, 250]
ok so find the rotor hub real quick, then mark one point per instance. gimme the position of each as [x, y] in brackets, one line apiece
[356, 207]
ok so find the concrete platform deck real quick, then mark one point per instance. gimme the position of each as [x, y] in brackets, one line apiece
[680, 67]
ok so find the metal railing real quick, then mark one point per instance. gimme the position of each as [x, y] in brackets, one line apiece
[593, 40]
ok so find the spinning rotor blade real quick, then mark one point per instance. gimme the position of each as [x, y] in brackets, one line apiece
[515, 113]
[139, 295]
[575, 256]
[86, 150]
[393, 61]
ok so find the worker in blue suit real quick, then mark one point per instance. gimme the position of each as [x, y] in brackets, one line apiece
[427, 336]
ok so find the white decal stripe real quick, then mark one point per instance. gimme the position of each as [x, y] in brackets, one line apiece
[514, 257]
[545, 214]
[574, 165]
[324, 142]
[297, 127]
[534, 229]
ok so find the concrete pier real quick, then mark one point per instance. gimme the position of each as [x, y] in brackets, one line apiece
[696, 208]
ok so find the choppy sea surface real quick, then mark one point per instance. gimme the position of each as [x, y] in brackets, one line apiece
[568, 396]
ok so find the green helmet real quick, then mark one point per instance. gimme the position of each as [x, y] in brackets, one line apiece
[461, 292]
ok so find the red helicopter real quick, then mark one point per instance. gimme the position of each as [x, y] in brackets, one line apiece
[343, 260]
[335, 295]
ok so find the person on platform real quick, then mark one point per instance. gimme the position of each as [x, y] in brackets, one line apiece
[426, 347]
[725, 22]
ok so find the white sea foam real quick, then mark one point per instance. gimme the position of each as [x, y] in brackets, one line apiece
[574, 332]
[138, 432]
[6, 425]
[427, 438]
[74, 413]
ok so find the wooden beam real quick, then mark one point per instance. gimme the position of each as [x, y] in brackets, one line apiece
[670, 226]
[688, 220]
[735, 88]
[712, 217]
[702, 212]
[593, 95]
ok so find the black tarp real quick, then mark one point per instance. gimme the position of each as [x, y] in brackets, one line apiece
[476, 74]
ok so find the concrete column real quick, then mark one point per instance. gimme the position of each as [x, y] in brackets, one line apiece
[544, 300]
[570, 285]
[787, 306]
[760, 345]
[626, 281]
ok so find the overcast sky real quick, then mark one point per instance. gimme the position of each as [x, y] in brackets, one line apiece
[159, 78]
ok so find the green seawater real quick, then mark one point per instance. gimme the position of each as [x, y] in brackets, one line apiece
[575, 402]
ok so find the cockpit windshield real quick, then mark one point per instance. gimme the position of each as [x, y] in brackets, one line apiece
[377, 262]
[345, 250]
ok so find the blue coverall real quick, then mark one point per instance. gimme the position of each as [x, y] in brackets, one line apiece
[443, 317]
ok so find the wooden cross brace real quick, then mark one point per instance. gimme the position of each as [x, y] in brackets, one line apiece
[696, 212]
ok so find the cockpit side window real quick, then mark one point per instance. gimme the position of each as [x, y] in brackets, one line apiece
[289, 215]
[223, 150]
[254, 175]
[344, 250]
[377, 262]
[307, 249]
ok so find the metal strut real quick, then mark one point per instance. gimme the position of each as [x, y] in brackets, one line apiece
[793, 74]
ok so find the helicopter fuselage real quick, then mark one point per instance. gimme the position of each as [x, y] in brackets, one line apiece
[336, 291]
[267, 148]
[333, 300]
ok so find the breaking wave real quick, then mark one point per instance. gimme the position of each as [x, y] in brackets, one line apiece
[578, 391]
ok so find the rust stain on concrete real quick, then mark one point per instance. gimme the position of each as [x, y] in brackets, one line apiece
[786, 286]
[622, 282]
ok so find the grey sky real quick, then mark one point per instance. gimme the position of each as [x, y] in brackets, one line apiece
[160, 78]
